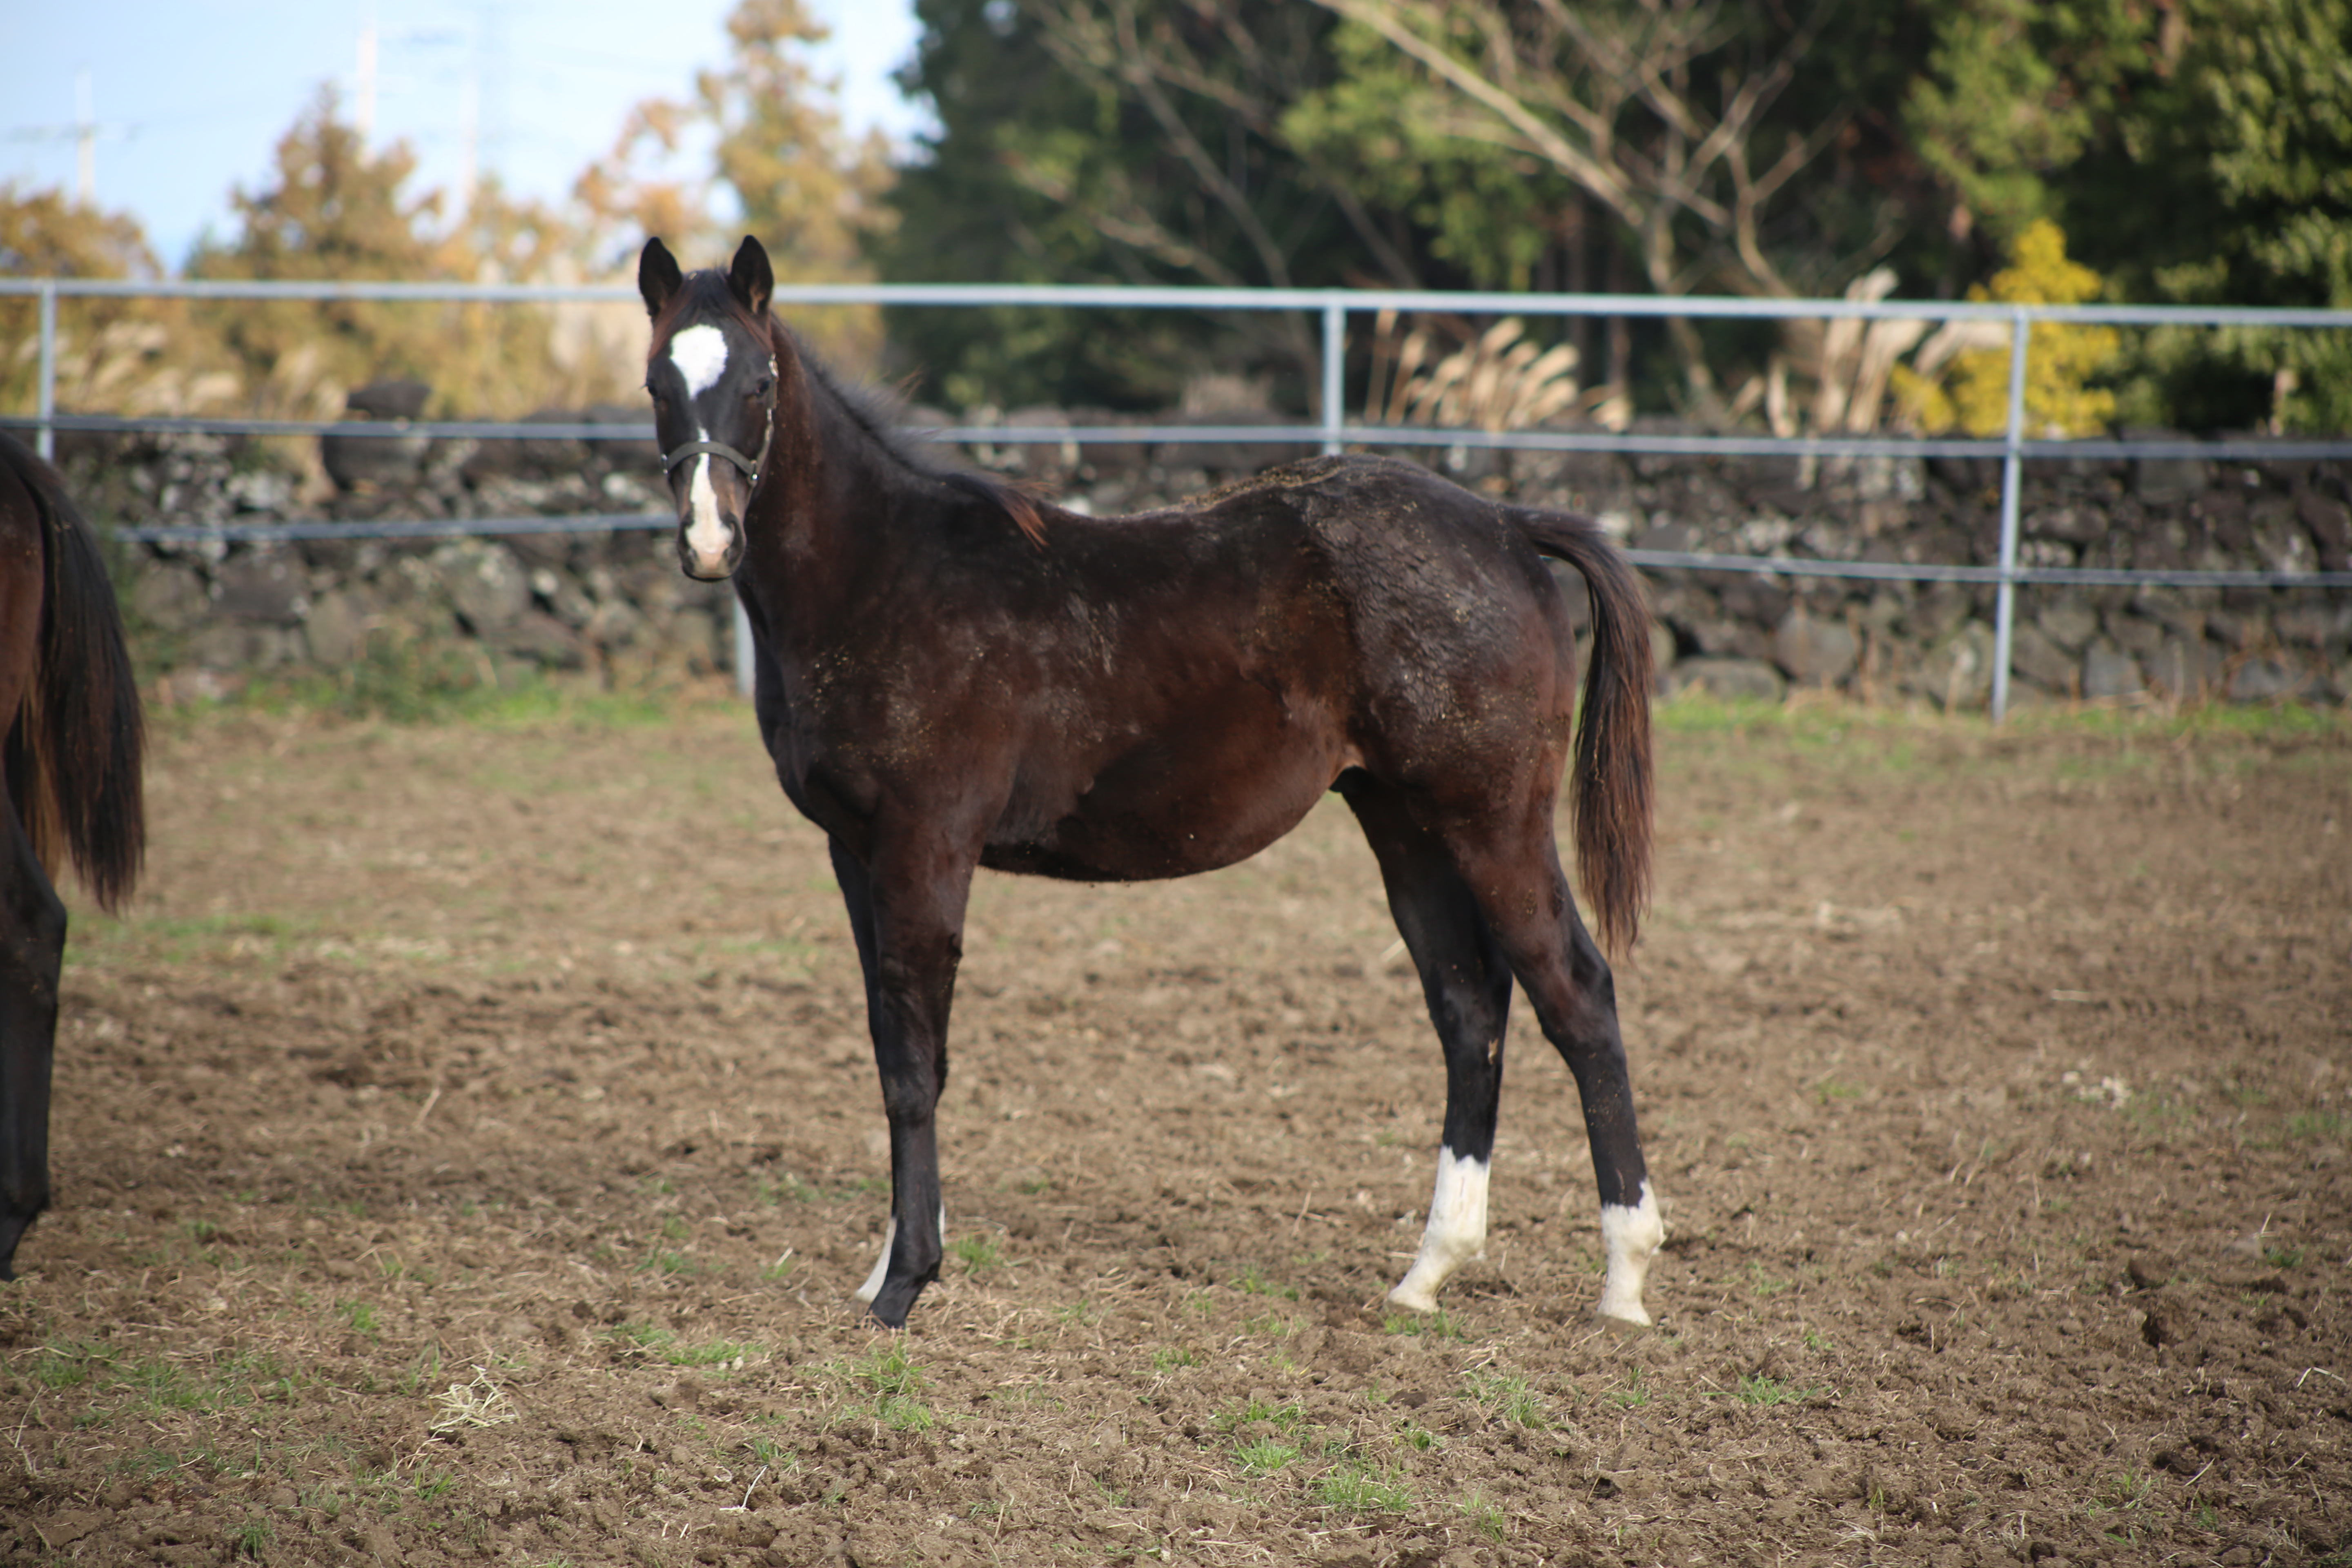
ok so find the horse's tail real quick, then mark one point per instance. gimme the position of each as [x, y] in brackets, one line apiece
[73, 749]
[1612, 788]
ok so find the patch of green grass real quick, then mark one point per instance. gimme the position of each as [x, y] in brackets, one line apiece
[1815, 1340]
[1252, 1282]
[1273, 1323]
[1831, 1091]
[1512, 1400]
[1437, 1325]
[782, 1189]
[2115, 1511]
[1417, 1437]
[1168, 1357]
[676, 1264]
[360, 1318]
[717, 1353]
[1634, 1394]
[2158, 1116]
[72, 1364]
[1485, 1518]
[895, 1381]
[2332, 1125]
[2283, 1257]
[250, 1538]
[1249, 1413]
[1353, 1487]
[1265, 1456]
[1764, 1391]
[979, 1253]
[405, 676]
[1761, 1283]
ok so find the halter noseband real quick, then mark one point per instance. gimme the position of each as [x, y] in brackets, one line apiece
[751, 466]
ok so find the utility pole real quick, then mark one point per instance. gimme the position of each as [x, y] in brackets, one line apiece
[83, 131]
[364, 82]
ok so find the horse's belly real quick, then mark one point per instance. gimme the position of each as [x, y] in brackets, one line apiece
[1170, 811]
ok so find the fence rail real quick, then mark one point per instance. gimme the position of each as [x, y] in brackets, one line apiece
[1333, 432]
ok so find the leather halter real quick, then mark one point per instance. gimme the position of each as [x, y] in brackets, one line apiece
[751, 466]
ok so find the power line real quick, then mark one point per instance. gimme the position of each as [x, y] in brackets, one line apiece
[84, 131]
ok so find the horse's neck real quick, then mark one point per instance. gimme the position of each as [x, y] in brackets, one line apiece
[830, 472]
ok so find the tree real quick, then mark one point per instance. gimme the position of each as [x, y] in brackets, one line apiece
[1671, 117]
[334, 211]
[2014, 93]
[113, 355]
[793, 176]
[1123, 141]
[2259, 116]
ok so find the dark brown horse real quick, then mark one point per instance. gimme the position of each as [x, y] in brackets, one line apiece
[949, 675]
[70, 779]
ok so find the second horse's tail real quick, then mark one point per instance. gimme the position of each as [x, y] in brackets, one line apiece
[73, 751]
[1612, 792]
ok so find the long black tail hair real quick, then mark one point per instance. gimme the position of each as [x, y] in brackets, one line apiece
[73, 755]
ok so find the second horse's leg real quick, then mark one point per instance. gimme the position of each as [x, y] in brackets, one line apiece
[1467, 986]
[32, 945]
[907, 913]
[1517, 879]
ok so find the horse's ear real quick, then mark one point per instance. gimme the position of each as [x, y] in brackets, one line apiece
[750, 279]
[657, 276]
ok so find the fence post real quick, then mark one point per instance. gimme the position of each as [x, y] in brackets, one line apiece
[45, 440]
[2013, 467]
[1335, 365]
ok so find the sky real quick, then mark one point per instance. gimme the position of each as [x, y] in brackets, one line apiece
[190, 97]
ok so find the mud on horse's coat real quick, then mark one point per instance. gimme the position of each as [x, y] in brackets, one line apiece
[949, 675]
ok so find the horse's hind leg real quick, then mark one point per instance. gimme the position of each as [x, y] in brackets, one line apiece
[32, 945]
[1517, 877]
[1467, 984]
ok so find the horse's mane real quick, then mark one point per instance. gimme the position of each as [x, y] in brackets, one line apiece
[878, 411]
[874, 411]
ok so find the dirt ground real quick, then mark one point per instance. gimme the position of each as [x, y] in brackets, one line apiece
[467, 1149]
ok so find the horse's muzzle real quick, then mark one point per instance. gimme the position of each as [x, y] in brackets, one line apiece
[707, 559]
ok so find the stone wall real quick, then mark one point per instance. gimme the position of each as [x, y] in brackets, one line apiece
[605, 601]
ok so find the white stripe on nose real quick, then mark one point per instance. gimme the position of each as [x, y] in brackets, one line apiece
[707, 533]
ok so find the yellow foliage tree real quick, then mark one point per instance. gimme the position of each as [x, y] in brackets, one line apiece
[113, 355]
[337, 211]
[2061, 356]
[800, 182]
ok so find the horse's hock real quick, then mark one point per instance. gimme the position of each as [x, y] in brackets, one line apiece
[570, 601]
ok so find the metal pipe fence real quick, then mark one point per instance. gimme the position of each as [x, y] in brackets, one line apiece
[1332, 431]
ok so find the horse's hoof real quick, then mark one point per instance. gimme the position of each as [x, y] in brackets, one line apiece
[1623, 1329]
[1413, 1300]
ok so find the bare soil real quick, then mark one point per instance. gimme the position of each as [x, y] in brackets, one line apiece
[467, 1151]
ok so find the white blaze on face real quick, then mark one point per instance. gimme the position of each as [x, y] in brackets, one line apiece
[1632, 1236]
[1456, 1233]
[701, 355]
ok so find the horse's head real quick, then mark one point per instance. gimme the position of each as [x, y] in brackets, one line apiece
[712, 374]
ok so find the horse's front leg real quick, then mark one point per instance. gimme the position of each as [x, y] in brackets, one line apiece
[906, 909]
